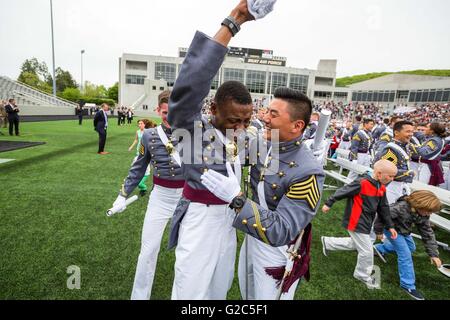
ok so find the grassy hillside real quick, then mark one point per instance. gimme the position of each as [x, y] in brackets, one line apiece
[346, 81]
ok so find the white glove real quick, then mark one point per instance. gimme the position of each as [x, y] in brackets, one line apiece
[260, 8]
[224, 188]
[120, 204]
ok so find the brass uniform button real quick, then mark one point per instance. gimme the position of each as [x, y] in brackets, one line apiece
[244, 222]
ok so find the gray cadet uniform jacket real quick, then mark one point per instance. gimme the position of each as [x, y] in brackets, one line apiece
[404, 174]
[386, 137]
[152, 151]
[292, 195]
[429, 150]
[202, 62]
[405, 219]
[360, 144]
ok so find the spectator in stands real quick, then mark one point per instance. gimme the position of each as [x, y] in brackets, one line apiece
[336, 141]
[410, 211]
[101, 126]
[13, 116]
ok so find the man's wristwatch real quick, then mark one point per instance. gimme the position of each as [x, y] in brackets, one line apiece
[238, 203]
[231, 24]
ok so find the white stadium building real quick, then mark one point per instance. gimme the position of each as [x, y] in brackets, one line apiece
[143, 77]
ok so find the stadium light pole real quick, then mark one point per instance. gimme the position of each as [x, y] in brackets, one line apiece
[81, 85]
[53, 49]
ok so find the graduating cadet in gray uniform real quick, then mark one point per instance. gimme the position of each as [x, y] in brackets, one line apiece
[398, 152]
[284, 200]
[258, 122]
[310, 132]
[386, 136]
[360, 148]
[158, 149]
[202, 224]
[346, 136]
[378, 131]
[429, 155]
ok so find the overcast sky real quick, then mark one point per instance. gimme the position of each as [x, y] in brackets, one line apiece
[365, 36]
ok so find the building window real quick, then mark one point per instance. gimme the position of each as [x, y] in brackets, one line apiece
[412, 96]
[166, 72]
[277, 80]
[392, 96]
[432, 97]
[215, 82]
[299, 82]
[136, 65]
[154, 88]
[135, 79]
[340, 95]
[322, 94]
[439, 95]
[446, 96]
[256, 81]
[233, 75]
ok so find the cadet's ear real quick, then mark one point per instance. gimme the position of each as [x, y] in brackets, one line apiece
[299, 126]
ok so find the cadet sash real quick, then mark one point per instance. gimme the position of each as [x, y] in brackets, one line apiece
[165, 140]
[401, 151]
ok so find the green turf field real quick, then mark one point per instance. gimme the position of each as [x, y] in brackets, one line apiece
[52, 211]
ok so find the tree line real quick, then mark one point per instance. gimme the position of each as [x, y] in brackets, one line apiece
[35, 74]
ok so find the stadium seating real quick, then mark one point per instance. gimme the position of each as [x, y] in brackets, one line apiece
[28, 96]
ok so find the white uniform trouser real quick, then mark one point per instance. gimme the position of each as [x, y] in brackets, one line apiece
[395, 190]
[415, 166]
[446, 184]
[147, 171]
[364, 159]
[205, 254]
[345, 145]
[161, 206]
[357, 241]
[424, 173]
[256, 281]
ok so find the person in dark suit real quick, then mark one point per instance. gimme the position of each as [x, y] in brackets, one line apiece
[79, 112]
[101, 126]
[13, 116]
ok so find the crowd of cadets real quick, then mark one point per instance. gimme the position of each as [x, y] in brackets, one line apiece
[426, 149]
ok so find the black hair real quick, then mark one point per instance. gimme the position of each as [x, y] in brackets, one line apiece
[300, 106]
[358, 118]
[400, 124]
[386, 121]
[366, 121]
[232, 91]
